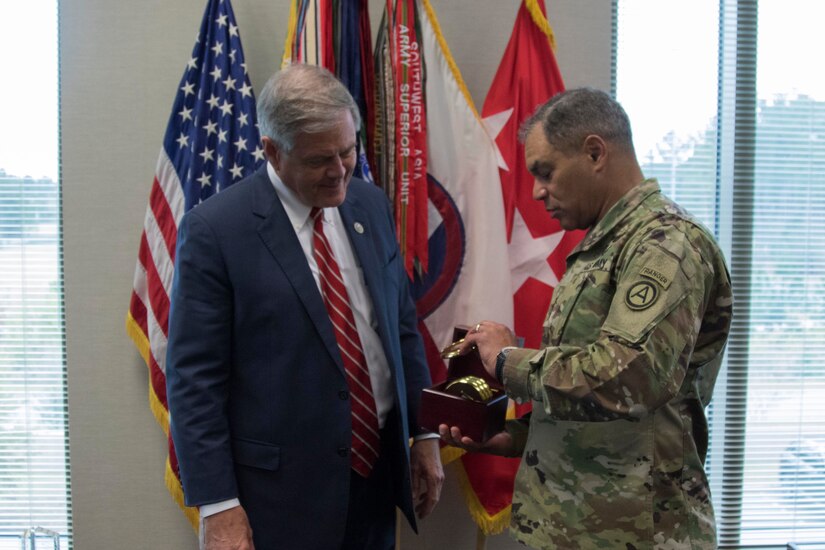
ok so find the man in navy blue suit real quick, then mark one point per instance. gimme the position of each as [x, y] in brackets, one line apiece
[259, 391]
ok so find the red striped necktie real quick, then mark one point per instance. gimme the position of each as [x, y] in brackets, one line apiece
[365, 438]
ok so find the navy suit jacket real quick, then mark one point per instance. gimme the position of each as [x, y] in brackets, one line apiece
[257, 393]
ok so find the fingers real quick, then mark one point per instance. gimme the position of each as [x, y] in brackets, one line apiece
[467, 344]
[500, 444]
[451, 435]
[428, 475]
[426, 505]
[484, 332]
[483, 325]
[426, 501]
[446, 435]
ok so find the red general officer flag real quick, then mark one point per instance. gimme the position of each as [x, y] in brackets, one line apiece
[528, 75]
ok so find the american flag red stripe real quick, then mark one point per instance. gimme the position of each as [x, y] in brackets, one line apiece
[164, 218]
[138, 311]
[158, 295]
[158, 381]
[211, 130]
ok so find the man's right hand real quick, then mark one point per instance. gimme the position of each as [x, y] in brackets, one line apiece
[227, 530]
[500, 444]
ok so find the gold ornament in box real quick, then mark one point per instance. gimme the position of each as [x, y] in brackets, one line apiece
[469, 398]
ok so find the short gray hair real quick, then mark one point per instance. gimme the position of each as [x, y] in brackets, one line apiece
[302, 99]
[569, 117]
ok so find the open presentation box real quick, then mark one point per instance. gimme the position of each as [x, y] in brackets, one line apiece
[477, 419]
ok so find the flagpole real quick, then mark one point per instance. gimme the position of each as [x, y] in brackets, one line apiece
[481, 539]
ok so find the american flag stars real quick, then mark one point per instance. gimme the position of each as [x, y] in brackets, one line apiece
[215, 104]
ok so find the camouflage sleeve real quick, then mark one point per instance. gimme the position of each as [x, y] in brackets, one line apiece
[640, 358]
[518, 428]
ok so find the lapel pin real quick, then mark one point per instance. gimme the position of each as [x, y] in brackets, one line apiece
[358, 227]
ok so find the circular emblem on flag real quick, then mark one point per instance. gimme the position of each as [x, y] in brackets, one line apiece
[446, 246]
[641, 296]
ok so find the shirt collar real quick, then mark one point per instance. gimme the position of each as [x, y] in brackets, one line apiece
[297, 211]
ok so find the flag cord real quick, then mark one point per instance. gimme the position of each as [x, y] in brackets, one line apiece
[541, 21]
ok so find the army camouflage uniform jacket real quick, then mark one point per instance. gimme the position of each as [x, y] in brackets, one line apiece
[615, 450]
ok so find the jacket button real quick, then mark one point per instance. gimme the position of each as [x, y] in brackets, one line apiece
[343, 395]
[343, 451]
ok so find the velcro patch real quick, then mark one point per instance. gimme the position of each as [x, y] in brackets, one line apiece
[661, 269]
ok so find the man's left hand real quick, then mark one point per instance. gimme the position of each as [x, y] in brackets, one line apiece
[489, 337]
[427, 475]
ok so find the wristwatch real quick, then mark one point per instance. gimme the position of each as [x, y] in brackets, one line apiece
[500, 359]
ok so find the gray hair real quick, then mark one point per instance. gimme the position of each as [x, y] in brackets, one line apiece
[569, 117]
[302, 99]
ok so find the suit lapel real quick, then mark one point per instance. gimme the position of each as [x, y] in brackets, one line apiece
[358, 225]
[279, 238]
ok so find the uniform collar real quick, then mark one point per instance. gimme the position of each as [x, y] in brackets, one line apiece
[618, 212]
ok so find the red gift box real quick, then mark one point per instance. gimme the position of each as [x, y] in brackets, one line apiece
[478, 420]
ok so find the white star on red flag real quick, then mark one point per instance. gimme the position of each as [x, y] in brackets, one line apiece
[529, 254]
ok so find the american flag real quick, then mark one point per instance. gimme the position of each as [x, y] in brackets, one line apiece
[211, 142]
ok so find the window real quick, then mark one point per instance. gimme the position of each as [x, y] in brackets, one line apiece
[729, 114]
[34, 473]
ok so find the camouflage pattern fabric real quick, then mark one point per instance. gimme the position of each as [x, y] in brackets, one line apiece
[614, 455]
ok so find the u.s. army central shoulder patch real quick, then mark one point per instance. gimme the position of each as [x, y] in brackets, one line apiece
[641, 295]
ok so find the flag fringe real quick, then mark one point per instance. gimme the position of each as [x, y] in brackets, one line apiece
[449, 57]
[162, 417]
[489, 524]
[175, 489]
[450, 454]
[541, 21]
[290, 34]
[138, 337]
[158, 410]
[142, 344]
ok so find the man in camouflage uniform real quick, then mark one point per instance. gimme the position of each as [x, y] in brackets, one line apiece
[614, 453]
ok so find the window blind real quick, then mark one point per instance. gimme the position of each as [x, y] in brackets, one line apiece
[34, 473]
[752, 167]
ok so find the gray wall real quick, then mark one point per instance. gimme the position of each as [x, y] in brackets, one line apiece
[121, 61]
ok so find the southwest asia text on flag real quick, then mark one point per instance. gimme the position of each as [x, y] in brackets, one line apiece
[400, 130]
[211, 142]
[467, 276]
